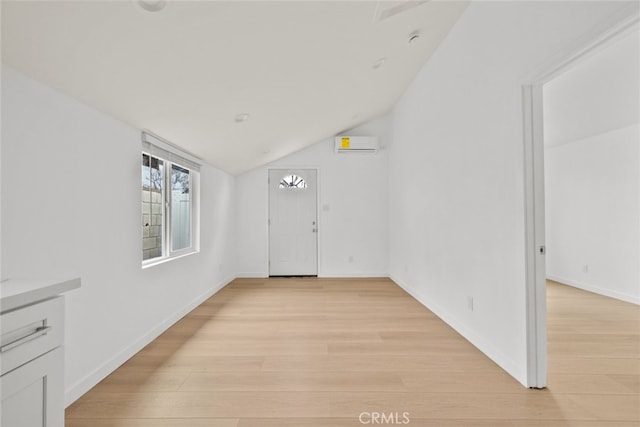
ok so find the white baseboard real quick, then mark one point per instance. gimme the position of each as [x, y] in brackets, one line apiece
[262, 275]
[595, 289]
[75, 391]
[252, 275]
[376, 275]
[508, 365]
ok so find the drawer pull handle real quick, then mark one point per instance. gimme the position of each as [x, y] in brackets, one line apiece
[41, 331]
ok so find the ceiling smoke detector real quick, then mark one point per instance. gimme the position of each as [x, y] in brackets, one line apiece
[379, 63]
[152, 5]
[241, 118]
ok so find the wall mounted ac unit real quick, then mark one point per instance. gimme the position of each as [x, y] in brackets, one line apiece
[356, 144]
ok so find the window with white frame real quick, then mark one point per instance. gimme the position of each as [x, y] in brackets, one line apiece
[292, 181]
[169, 201]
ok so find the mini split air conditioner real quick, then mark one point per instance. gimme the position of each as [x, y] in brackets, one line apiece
[356, 144]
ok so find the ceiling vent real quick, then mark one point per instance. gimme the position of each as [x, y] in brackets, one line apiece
[387, 9]
[356, 144]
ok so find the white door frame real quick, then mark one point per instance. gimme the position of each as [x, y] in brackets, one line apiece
[318, 221]
[536, 306]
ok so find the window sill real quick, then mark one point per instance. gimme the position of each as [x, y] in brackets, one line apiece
[159, 261]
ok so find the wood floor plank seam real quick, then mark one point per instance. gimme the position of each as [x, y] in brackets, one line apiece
[311, 353]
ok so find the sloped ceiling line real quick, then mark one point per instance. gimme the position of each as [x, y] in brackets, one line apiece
[302, 70]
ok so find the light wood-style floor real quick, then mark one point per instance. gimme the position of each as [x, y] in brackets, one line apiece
[319, 352]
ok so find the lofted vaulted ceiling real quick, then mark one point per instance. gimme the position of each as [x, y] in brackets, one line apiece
[301, 70]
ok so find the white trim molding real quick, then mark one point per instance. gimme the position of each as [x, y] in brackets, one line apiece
[75, 391]
[596, 289]
[611, 29]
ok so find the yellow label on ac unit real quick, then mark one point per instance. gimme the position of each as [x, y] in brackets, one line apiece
[345, 142]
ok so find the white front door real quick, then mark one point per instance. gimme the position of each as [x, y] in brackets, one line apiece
[293, 223]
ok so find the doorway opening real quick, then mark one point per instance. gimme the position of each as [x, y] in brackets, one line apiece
[293, 223]
[537, 257]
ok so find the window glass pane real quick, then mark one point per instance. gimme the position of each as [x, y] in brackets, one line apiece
[180, 208]
[152, 207]
[292, 181]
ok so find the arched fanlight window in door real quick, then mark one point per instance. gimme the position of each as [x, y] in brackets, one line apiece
[292, 181]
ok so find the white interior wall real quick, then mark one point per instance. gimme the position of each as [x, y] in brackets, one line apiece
[453, 218]
[456, 169]
[71, 207]
[353, 209]
[592, 179]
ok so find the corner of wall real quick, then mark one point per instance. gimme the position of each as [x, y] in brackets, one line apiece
[482, 344]
[75, 391]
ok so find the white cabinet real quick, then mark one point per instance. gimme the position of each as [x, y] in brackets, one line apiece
[32, 355]
[32, 394]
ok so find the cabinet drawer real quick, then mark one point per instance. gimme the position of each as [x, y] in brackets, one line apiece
[29, 332]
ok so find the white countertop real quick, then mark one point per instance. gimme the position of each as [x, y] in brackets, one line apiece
[15, 293]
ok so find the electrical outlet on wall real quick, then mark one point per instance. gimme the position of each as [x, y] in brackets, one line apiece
[585, 268]
[470, 303]
[350, 258]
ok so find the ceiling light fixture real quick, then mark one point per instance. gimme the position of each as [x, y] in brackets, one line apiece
[152, 5]
[241, 118]
[414, 36]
